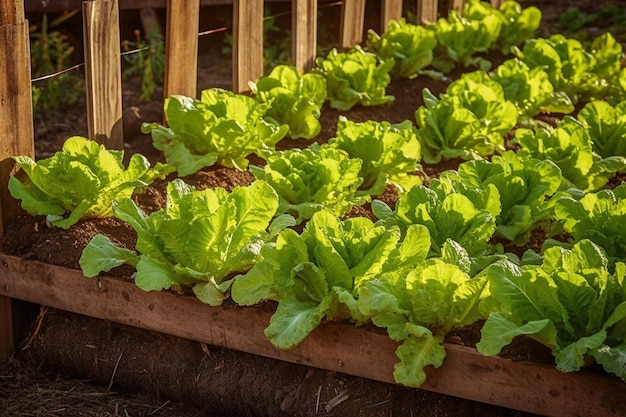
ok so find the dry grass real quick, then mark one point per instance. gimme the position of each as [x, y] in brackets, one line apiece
[26, 391]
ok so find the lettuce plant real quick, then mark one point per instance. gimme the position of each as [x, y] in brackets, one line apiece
[523, 188]
[310, 179]
[517, 24]
[580, 73]
[355, 77]
[80, 181]
[388, 152]
[222, 127]
[420, 308]
[468, 219]
[200, 239]
[569, 146]
[316, 275]
[600, 217]
[469, 121]
[295, 99]
[461, 39]
[530, 90]
[570, 303]
[606, 125]
[410, 46]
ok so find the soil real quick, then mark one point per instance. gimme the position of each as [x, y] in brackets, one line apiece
[74, 365]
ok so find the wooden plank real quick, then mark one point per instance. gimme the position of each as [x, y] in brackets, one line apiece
[181, 48]
[352, 22]
[247, 43]
[103, 72]
[16, 132]
[426, 11]
[304, 30]
[458, 5]
[390, 10]
[342, 348]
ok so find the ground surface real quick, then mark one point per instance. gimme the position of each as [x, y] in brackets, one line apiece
[74, 366]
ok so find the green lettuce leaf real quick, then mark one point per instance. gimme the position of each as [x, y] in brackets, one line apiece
[80, 181]
[222, 127]
[389, 153]
[409, 46]
[571, 303]
[355, 77]
[295, 99]
[199, 240]
[316, 274]
[308, 180]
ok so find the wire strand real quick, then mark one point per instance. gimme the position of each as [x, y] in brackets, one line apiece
[134, 51]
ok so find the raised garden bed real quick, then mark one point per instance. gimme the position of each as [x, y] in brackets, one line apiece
[522, 385]
[362, 352]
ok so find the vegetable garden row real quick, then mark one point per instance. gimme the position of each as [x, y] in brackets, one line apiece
[526, 234]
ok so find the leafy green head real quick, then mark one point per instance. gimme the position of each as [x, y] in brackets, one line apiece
[389, 152]
[222, 127]
[313, 178]
[80, 181]
[355, 77]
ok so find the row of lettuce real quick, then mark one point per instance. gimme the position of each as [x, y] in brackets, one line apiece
[431, 263]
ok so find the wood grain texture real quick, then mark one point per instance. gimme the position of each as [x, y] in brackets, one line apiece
[247, 43]
[16, 111]
[16, 130]
[352, 22]
[427, 11]
[304, 33]
[103, 72]
[181, 48]
[390, 10]
[457, 4]
[342, 348]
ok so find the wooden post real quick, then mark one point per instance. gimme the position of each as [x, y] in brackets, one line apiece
[16, 132]
[181, 48]
[304, 29]
[426, 11]
[247, 43]
[496, 3]
[352, 21]
[391, 10]
[103, 72]
[458, 5]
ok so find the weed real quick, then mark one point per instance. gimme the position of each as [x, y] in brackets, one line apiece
[51, 52]
[146, 58]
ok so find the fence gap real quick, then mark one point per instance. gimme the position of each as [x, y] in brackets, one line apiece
[352, 20]
[304, 33]
[16, 135]
[426, 11]
[103, 72]
[181, 48]
[247, 43]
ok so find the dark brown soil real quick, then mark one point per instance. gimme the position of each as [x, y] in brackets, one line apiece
[74, 365]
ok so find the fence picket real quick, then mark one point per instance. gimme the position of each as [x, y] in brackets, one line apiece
[103, 72]
[247, 43]
[16, 132]
[181, 48]
[352, 21]
[304, 33]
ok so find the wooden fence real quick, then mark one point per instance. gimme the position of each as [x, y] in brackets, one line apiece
[103, 74]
